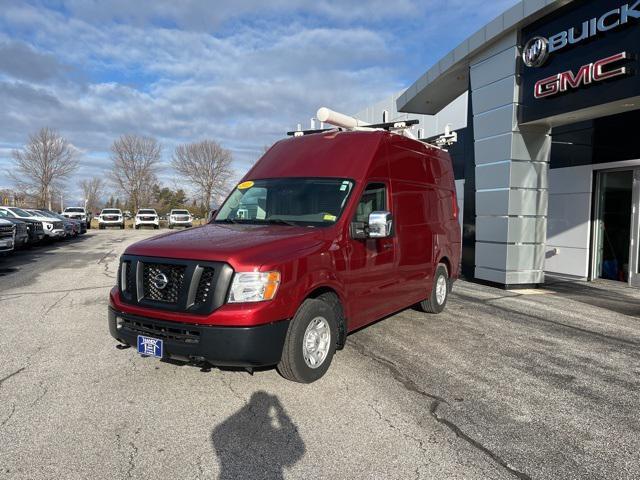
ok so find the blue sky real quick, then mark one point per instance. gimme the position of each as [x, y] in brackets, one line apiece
[241, 73]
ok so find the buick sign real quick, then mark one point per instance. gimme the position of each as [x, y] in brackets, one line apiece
[537, 50]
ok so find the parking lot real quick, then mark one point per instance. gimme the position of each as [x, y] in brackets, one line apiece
[536, 384]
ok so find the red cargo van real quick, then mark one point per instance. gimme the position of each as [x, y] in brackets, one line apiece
[326, 233]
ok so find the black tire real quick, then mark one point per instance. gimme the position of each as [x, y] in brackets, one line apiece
[137, 227]
[292, 365]
[101, 227]
[170, 227]
[122, 227]
[431, 304]
[156, 227]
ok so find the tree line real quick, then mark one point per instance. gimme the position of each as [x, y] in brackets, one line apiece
[43, 165]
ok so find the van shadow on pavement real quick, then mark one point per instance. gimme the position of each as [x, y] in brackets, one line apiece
[258, 441]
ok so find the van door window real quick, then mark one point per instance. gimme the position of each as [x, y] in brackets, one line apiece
[373, 199]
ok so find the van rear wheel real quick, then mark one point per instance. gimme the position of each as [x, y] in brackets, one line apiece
[437, 300]
[310, 343]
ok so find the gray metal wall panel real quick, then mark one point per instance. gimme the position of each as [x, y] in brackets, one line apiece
[493, 149]
[500, 93]
[495, 122]
[494, 68]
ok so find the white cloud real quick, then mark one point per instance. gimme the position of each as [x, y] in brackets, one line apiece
[241, 73]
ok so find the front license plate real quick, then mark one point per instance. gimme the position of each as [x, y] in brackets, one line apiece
[151, 347]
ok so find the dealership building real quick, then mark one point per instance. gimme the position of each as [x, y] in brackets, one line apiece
[546, 103]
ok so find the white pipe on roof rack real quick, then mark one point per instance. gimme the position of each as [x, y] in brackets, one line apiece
[339, 119]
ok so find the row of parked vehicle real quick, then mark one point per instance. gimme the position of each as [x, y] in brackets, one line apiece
[145, 217]
[21, 227]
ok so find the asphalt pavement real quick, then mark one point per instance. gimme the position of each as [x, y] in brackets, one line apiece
[540, 384]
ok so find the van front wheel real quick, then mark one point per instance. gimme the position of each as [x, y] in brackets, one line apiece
[310, 343]
[439, 292]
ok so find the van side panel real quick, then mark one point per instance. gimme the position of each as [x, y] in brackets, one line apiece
[412, 180]
[425, 214]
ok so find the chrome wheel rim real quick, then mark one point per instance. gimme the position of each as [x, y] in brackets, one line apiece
[441, 289]
[316, 342]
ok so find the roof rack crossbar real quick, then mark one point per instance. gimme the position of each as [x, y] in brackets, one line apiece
[299, 133]
[397, 125]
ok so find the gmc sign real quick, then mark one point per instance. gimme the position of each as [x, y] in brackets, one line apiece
[598, 71]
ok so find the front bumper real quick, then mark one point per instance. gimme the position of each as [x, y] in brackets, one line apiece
[59, 233]
[180, 223]
[111, 223]
[256, 346]
[7, 244]
[147, 222]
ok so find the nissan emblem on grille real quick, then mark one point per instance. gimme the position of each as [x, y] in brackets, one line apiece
[160, 281]
[535, 52]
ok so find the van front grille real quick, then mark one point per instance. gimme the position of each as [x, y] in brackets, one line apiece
[176, 285]
[162, 283]
[205, 285]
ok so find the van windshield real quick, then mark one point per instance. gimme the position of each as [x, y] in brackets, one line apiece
[294, 201]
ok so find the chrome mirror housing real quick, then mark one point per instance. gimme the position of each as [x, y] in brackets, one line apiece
[380, 224]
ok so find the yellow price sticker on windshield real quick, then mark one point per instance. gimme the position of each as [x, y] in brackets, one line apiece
[329, 218]
[245, 185]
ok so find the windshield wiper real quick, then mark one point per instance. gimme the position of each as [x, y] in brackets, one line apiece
[280, 221]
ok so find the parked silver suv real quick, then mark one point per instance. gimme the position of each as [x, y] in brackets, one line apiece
[53, 228]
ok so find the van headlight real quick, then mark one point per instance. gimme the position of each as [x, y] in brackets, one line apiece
[254, 286]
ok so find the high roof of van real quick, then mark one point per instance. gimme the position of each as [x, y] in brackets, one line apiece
[337, 154]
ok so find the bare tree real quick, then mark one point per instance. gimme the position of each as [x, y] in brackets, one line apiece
[92, 189]
[42, 165]
[135, 163]
[206, 165]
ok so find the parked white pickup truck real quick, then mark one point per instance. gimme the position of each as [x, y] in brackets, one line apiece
[111, 217]
[180, 218]
[147, 217]
[77, 213]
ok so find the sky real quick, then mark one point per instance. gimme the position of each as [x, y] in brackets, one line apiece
[242, 73]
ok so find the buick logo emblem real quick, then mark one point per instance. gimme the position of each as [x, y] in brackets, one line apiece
[535, 52]
[160, 281]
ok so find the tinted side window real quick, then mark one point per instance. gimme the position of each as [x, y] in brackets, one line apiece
[373, 199]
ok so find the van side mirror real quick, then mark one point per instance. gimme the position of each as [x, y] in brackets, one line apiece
[212, 214]
[380, 224]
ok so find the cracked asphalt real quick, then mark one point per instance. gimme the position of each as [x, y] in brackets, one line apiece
[502, 385]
